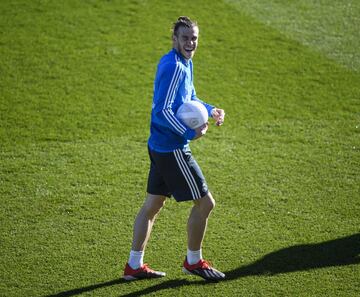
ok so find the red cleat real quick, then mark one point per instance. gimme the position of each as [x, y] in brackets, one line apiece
[204, 270]
[141, 273]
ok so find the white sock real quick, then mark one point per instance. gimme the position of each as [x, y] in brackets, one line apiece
[193, 256]
[136, 259]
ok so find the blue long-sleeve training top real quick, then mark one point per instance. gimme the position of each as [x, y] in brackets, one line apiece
[173, 86]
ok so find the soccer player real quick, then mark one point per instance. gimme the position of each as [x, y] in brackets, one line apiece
[173, 170]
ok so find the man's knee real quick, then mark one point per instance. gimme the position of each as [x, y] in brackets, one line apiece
[206, 204]
[153, 205]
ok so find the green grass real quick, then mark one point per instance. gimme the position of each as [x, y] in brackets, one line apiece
[330, 27]
[76, 81]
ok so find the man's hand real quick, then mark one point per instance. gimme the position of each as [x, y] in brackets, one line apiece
[200, 131]
[218, 115]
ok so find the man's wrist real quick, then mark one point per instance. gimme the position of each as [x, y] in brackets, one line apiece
[213, 111]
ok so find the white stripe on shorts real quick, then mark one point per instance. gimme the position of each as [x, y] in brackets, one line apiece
[184, 167]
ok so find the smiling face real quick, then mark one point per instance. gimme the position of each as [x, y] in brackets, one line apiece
[185, 41]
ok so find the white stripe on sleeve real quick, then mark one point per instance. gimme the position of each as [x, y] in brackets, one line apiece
[170, 97]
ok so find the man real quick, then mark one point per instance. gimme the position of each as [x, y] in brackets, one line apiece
[173, 170]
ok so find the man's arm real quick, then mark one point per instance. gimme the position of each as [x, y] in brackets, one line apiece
[169, 80]
[216, 113]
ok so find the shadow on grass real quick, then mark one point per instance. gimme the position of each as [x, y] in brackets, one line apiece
[338, 252]
[90, 288]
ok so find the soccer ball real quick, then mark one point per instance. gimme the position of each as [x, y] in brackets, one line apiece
[193, 113]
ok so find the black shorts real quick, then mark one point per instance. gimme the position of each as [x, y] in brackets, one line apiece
[177, 174]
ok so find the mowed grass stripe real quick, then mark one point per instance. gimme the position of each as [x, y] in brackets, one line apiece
[327, 26]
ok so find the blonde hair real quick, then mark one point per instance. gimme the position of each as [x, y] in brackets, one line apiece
[183, 21]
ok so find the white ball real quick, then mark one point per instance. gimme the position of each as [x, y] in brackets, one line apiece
[193, 114]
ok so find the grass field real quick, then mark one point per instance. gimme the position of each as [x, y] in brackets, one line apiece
[76, 81]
